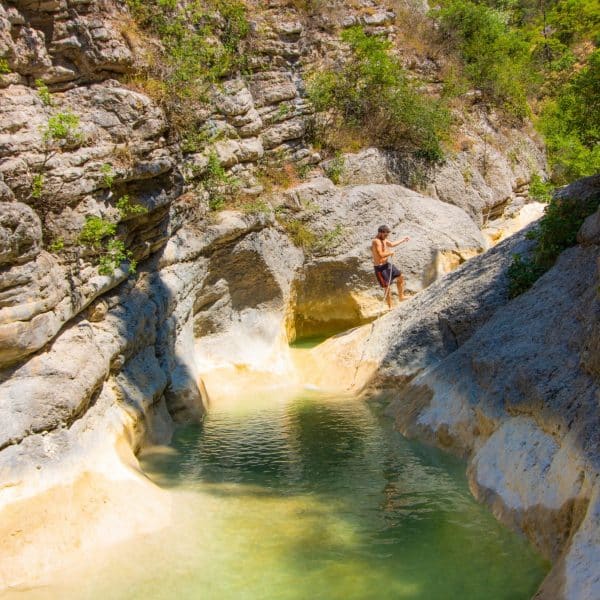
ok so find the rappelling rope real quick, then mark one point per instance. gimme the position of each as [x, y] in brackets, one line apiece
[366, 343]
[387, 289]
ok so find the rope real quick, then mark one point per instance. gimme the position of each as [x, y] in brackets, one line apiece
[387, 289]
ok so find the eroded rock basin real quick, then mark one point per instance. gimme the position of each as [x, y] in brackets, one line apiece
[298, 494]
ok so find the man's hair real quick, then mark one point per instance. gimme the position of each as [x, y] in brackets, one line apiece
[383, 229]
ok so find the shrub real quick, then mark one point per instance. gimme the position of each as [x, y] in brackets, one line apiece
[372, 93]
[522, 274]
[218, 183]
[335, 168]
[4, 68]
[329, 240]
[44, 93]
[114, 253]
[301, 235]
[37, 186]
[99, 235]
[108, 175]
[570, 123]
[62, 130]
[538, 55]
[558, 227]
[57, 245]
[126, 209]
[95, 230]
[496, 59]
[540, 190]
[556, 231]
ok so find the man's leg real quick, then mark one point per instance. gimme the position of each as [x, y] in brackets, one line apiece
[400, 284]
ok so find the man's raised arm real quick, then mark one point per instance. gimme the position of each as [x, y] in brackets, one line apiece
[394, 244]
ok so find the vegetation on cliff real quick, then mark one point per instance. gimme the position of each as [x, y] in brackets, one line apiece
[539, 59]
[556, 231]
[200, 45]
[372, 95]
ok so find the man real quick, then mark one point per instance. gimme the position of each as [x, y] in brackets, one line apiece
[385, 271]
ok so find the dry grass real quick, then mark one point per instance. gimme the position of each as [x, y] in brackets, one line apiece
[150, 86]
[331, 137]
[280, 177]
[123, 154]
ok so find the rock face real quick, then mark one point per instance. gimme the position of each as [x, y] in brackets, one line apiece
[337, 291]
[539, 465]
[512, 386]
[92, 366]
[484, 179]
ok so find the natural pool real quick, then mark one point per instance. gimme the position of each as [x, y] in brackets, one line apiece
[302, 496]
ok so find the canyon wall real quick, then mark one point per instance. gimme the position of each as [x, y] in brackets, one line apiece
[96, 362]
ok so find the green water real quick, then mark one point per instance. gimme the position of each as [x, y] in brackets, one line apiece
[309, 496]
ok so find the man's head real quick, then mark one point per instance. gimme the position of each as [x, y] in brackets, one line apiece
[383, 231]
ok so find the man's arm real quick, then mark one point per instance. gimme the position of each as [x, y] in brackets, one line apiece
[394, 244]
[379, 250]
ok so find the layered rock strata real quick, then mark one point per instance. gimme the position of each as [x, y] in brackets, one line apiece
[95, 365]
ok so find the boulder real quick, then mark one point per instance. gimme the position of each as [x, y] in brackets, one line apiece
[337, 288]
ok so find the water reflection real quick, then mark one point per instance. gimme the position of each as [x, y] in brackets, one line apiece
[372, 515]
[310, 497]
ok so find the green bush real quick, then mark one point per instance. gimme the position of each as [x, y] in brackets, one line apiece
[44, 93]
[301, 235]
[496, 59]
[62, 130]
[556, 231]
[570, 123]
[540, 190]
[57, 245]
[113, 255]
[110, 252]
[37, 186]
[335, 169]
[4, 68]
[528, 55]
[95, 230]
[108, 175]
[218, 183]
[522, 274]
[127, 210]
[371, 93]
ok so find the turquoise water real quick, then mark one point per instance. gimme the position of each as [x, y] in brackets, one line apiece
[311, 497]
[322, 499]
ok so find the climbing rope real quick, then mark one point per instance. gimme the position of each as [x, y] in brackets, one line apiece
[387, 289]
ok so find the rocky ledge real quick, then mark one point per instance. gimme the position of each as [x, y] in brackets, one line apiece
[512, 386]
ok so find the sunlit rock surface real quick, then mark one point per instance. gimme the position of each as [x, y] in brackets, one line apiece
[95, 366]
[513, 386]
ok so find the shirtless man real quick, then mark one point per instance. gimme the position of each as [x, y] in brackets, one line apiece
[385, 271]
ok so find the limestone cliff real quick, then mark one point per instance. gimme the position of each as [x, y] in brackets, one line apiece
[95, 362]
